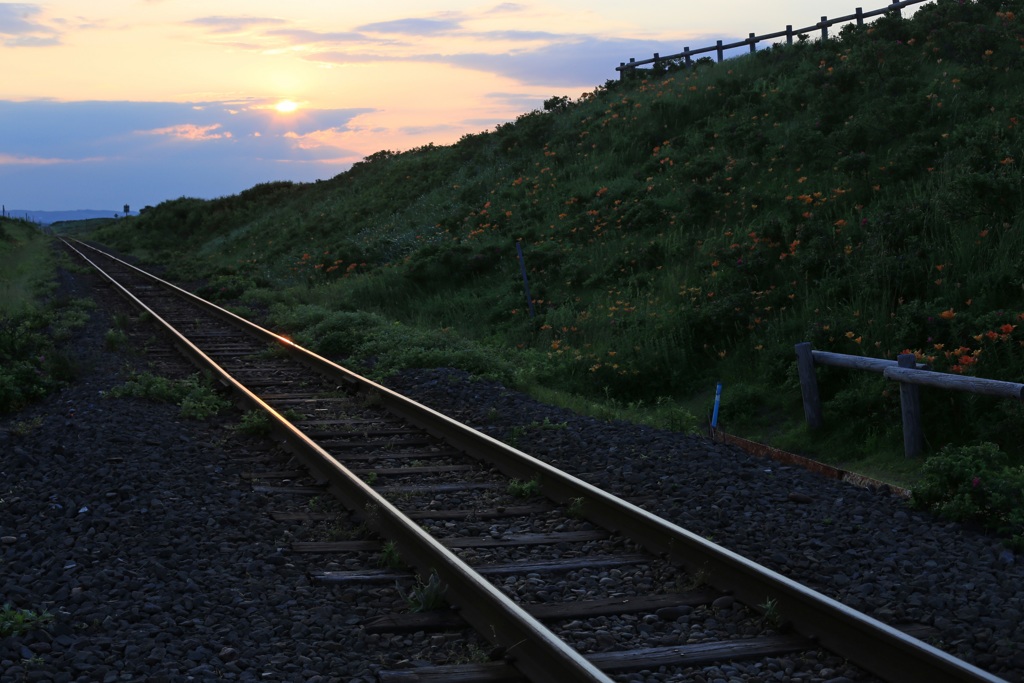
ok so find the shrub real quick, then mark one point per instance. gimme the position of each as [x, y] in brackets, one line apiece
[978, 484]
[23, 362]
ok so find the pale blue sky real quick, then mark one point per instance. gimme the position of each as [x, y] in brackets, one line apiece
[138, 101]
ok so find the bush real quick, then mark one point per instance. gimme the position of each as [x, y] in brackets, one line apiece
[977, 484]
[23, 362]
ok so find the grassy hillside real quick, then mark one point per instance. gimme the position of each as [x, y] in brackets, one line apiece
[692, 225]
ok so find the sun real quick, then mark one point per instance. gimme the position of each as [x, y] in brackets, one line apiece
[286, 106]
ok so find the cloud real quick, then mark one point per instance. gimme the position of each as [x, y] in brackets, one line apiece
[520, 36]
[516, 101]
[19, 29]
[257, 34]
[305, 37]
[14, 160]
[439, 129]
[97, 153]
[564, 61]
[332, 57]
[537, 58]
[223, 24]
[582, 60]
[413, 26]
[190, 131]
[506, 7]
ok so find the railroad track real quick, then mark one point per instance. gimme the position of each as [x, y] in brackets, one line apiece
[566, 582]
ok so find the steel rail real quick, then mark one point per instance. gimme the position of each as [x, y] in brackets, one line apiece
[480, 603]
[868, 642]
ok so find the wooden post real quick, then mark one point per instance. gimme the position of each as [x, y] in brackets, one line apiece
[789, 34]
[910, 404]
[860, 17]
[526, 279]
[753, 43]
[656, 58]
[899, 11]
[824, 29]
[809, 386]
[686, 55]
[719, 46]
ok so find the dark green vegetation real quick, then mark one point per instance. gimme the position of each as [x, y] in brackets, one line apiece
[35, 321]
[693, 225]
[14, 621]
[195, 396]
[977, 484]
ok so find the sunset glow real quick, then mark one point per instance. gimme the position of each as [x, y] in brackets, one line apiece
[170, 98]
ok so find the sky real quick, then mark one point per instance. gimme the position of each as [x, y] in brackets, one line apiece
[113, 102]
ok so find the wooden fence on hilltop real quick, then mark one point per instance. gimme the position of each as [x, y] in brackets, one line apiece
[686, 56]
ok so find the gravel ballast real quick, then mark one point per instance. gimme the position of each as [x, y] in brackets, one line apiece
[134, 529]
[864, 547]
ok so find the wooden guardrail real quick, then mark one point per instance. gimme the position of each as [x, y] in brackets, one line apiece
[904, 370]
[686, 56]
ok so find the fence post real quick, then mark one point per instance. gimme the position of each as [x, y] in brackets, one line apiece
[720, 52]
[910, 406]
[824, 29]
[860, 17]
[809, 386]
[526, 279]
[656, 58]
[753, 44]
[899, 11]
[789, 34]
[686, 56]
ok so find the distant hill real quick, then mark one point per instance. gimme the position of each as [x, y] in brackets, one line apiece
[48, 217]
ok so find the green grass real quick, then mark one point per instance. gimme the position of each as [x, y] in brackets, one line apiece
[523, 489]
[35, 322]
[678, 229]
[26, 266]
[195, 396]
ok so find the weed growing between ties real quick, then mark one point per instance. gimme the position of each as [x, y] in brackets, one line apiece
[678, 228]
[255, 423]
[523, 489]
[389, 557]
[195, 396]
[427, 596]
